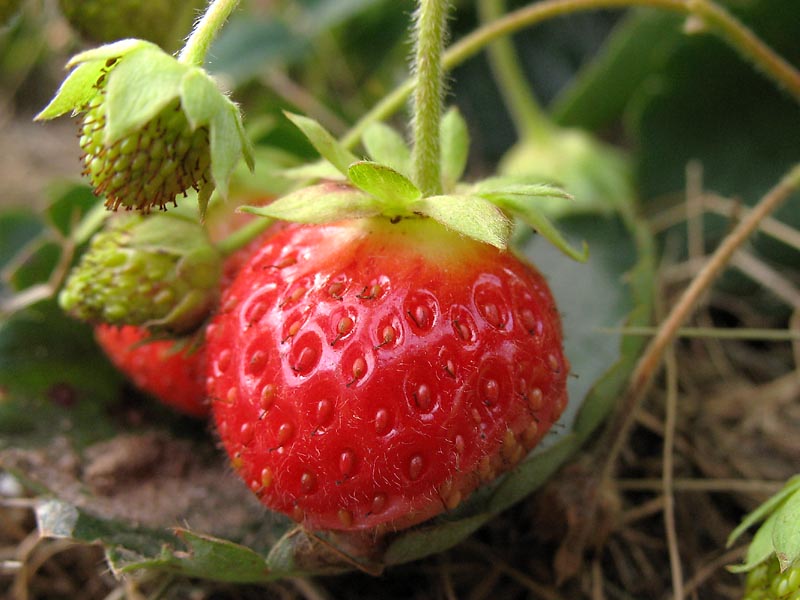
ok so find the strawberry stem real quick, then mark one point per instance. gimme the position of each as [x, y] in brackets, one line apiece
[429, 44]
[530, 120]
[244, 235]
[720, 23]
[196, 48]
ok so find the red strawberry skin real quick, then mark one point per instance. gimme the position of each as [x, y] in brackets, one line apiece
[174, 375]
[369, 375]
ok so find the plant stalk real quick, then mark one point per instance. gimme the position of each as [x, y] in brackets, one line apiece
[720, 22]
[529, 119]
[196, 47]
[429, 35]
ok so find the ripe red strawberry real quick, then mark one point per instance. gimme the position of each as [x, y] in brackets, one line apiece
[369, 375]
[175, 375]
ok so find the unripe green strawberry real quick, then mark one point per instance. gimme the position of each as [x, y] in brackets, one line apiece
[160, 21]
[149, 167]
[766, 582]
[153, 126]
[597, 175]
[161, 272]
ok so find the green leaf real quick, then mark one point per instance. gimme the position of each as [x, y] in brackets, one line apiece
[384, 145]
[760, 549]
[532, 473]
[471, 216]
[522, 207]
[786, 533]
[767, 508]
[226, 146]
[602, 90]
[394, 190]
[327, 146]
[54, 379]
[113, 50]
[454, 147]
[205, 104]
[518, 186]
[426, 541]
[211, 558]
[244, 139]
[248, 46]
[321, 203]
[139, 88]
[200, 97]
[78, 88]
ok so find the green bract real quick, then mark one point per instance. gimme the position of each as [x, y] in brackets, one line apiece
[153, 127]
[159, 271]
[778, 537]
[356, 188]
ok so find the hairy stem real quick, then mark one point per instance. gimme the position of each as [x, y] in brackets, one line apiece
[196, 48]
[716, 18]
[429, 45]
[529, 119]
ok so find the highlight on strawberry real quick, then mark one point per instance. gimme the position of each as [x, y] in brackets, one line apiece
[153, 126]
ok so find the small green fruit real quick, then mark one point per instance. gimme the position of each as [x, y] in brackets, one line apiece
[149, 167]
[597, 175]
[153, 126]
[160, 272]
[766, 582]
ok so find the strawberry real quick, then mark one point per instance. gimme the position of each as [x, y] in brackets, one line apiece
[171, 372]
[371, 373]
[148, 167]
[160, 271]
[153, 126]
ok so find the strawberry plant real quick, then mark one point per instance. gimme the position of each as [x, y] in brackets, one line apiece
[424, 340]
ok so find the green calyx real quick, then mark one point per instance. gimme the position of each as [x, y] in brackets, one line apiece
[153, 127]
[382, 186]
[160, 272]
[778, 537]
